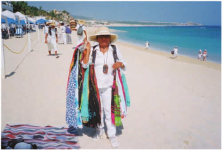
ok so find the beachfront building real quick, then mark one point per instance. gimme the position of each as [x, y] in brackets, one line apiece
[6, 5]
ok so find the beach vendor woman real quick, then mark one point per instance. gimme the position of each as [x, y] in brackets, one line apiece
[104, 89]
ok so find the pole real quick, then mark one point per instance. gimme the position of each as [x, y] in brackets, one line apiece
[3, 61]
[43, 34]
[30, 46]
[38, 33]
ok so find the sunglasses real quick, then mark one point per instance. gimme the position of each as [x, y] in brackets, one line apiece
[103, 36]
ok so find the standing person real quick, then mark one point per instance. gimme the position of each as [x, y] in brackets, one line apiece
[175, 52]
[59, 34]
[68, 35]
[51, 38]
[204, 55]
[80, 28]
[104, 64]
[200, 54]
[147, 44]
[63, 31]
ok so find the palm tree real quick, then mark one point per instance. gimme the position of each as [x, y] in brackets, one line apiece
[40, 10]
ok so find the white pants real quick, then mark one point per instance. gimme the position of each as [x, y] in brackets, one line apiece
[105, 98]
[64, 37]
[175, 55]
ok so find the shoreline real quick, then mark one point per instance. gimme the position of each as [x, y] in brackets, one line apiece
[185, 58]
[139, 25]
[180, 58]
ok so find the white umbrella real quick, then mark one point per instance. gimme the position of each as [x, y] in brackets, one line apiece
[31, 19]
[21, 16]
[8, 14]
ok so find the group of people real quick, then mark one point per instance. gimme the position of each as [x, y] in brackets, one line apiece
[62, 35]
[12, 29]
[204, 54]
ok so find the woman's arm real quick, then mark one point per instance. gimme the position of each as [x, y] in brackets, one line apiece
[86, 55]
[120, 62]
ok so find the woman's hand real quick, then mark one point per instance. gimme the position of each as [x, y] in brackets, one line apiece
[117, 65]
[56, 40]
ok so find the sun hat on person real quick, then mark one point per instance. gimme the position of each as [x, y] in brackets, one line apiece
[48, 23]
[103, 31]
[53, 24]
[81, 22]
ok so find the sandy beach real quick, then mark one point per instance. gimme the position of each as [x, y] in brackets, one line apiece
[175, 103]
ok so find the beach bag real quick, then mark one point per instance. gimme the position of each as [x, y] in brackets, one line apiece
[172, 52]
[80, 30]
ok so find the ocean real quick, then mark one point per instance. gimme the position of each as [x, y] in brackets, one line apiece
[188, 39]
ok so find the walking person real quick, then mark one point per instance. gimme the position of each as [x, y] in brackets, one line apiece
[200, 54]
[63, 31]
[51, 38]
[204, 55]
[68, 35]
[80, 28]
[147, 44]
[175, 52]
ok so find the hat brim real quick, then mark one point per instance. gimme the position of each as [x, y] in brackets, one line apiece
[114, 37]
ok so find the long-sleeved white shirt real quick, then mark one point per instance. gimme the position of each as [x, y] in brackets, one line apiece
[104, 80]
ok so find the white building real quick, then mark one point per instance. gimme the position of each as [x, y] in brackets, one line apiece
[6, 5]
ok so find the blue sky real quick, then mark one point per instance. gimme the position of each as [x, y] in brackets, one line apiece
[207, 13]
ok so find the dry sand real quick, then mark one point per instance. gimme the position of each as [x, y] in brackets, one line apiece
[175, 103]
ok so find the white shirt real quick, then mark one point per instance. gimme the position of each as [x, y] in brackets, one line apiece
[51, 38]
[175, 50]
[147, 44]
[104, 80]
[63, 29]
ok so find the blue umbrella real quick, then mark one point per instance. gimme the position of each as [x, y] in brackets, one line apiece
[22, 22]
[41, 21]
[31, 22]
[9, 21]
[3, 20]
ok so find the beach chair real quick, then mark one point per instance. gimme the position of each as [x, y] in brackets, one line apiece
[19, 32]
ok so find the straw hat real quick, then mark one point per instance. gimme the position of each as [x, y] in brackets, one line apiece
[48, 23]
[81, 22]
[53, 24]
[103, 31]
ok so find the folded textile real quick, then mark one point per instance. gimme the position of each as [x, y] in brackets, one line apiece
[43, 137]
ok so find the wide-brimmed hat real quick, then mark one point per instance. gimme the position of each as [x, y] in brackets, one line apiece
[53, 24]
[81, 22]
[103, 31]
[47, 23]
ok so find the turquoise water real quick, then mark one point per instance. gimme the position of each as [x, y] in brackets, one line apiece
[189, 40]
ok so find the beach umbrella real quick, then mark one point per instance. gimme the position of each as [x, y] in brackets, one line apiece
[41, 21]
[22, 22]
[3, 21]
[21, 16]
[31, 20]
[8, 14]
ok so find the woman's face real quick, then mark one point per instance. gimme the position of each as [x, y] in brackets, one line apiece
[104, 40]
